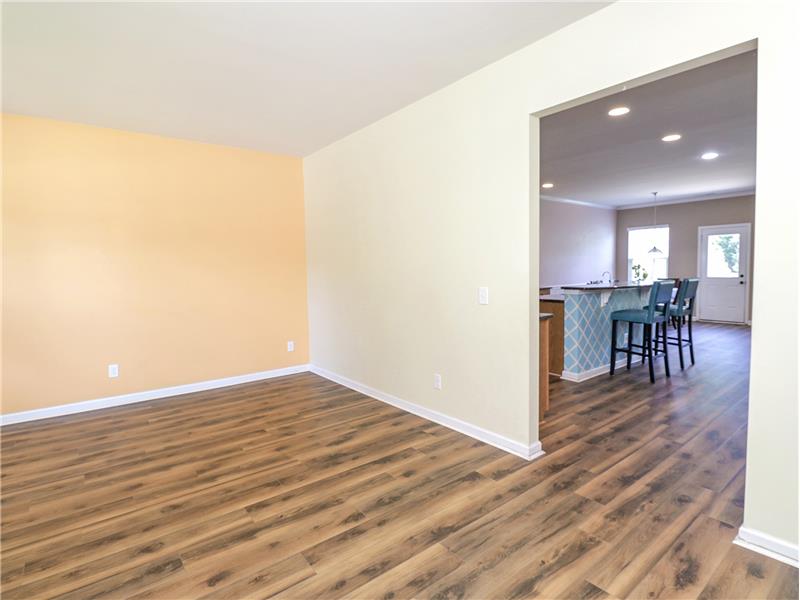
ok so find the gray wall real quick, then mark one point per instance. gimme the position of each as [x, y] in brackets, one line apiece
[576, 244]
[683, 220]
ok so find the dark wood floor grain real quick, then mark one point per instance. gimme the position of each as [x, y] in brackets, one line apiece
[300, 488]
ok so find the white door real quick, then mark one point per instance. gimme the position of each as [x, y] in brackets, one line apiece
[724, 257]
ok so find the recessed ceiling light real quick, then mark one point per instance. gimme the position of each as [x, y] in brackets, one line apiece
[618, 111]
[709, 155]
[547, 186]
[672, 137]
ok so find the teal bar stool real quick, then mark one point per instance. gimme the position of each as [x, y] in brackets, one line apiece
[683, 311]
[655, 313]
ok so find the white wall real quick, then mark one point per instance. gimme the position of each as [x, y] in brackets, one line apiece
[576, 243]
[409, 216]
[405, 220]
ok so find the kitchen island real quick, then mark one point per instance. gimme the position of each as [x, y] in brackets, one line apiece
[587, 325]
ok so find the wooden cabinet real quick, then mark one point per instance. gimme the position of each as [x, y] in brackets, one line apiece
[556, 343]
[544, 362]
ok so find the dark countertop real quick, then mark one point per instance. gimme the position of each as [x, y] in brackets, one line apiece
[621, 285]
[552, 297]
[545, 316]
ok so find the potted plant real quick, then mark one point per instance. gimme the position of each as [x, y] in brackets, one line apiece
[639, 273]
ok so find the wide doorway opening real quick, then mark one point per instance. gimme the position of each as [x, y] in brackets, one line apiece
[646, 222]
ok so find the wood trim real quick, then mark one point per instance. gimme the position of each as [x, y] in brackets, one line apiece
[544, 363]
[556, 346]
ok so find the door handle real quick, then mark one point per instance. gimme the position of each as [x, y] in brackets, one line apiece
[741, 283]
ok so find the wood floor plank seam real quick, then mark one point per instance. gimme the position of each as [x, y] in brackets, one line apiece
[300, 488]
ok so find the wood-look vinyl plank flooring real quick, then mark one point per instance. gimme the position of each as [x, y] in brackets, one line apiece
[300, 488]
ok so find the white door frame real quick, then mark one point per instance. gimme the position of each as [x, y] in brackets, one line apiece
[745, 256]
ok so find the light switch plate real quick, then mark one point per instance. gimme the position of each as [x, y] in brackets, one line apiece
[483, 295]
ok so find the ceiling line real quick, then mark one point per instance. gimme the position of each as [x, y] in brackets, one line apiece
[722, 196]
[578, 202]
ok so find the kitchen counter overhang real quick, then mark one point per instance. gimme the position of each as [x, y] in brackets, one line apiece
[619, 285]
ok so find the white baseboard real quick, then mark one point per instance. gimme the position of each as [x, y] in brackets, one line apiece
[584, 375]
[176, 390]
[767, 545]
[473, 431]
[484, 435]
[716, 322]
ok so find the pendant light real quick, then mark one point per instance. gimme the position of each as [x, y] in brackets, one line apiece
[654, 250]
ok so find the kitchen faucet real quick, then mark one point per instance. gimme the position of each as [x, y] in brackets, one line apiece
[602, 277]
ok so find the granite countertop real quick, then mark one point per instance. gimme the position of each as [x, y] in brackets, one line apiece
[620, 285]
[552, 297]
[545, 316]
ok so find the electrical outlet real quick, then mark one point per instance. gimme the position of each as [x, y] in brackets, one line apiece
[113, 371]
[483, 295]
[290, 346]
[437, 381]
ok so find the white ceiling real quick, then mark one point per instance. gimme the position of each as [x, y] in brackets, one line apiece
[288, 78]
[591, 157]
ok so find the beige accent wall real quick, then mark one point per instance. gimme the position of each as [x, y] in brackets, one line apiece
[576, 243]
[409, 216]
[683, 220]
[179, 261]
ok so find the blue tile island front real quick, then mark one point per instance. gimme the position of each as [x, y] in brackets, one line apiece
[587, 325]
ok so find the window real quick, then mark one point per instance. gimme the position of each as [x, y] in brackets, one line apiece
[723, 255]
[640, 242]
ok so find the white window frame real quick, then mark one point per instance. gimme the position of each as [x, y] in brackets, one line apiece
[627, 247]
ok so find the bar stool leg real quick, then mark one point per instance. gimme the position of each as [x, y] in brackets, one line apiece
[666, 351]
[691, 339]
[613, 346]
[644, 344]
[680, 344]
[630, 345]
[648, 333]
[658, 343]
